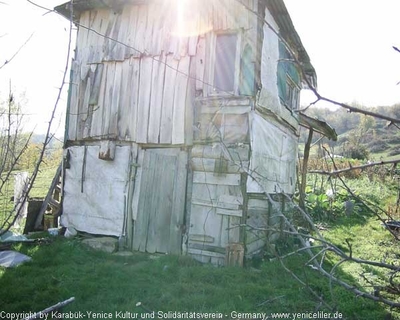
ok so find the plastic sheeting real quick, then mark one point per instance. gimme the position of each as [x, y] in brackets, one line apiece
[9, 258]
[273, 158]
[95, 192]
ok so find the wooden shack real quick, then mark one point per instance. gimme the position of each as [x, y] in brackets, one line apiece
[182, 123]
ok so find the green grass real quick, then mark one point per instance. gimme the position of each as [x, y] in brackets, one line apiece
[108, 283]
[39, 189]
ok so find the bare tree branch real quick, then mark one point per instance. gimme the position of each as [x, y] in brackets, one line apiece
[17, 52]
[339, 171]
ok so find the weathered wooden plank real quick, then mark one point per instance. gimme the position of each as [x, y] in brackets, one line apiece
[108, 95]
[115, 101]
[72, 116]
[140, 31]
[157, 89]
[201, 238]
[230, 201]
[205, 253]
[84, 92]
[230, 179]
[161, 202]
[98, 109]
[82, 43]
[168, 100]
[226, 102]
[217, 196]
[178, 208]
[156, 45]
[131, 31]
[182, 47]
[240, 153]
[85, 111]
[178, 116]
[200, 62]
[208, 165]
[146, 66]
[145, 200]
[228, 212]
[234, 229]
[258, 204]
[190, 103]
[95, 88]
[138, 181]
[110, 35]
[133, 107]
[192, 45]
[224, 232]
[97, 41]
[204, 220]
[120, 49]
[207, 247]
[131, 189]
[124, 107]
[226, 110]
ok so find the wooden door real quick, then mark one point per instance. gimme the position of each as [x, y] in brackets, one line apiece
[160, 194]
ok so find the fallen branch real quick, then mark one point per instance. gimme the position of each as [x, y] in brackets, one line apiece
[40, 314]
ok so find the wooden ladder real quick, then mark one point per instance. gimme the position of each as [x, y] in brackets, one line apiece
[53, 199]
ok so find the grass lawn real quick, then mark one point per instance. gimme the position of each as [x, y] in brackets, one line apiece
[103, 282]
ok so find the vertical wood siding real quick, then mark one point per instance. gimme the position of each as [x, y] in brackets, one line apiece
[135, 88]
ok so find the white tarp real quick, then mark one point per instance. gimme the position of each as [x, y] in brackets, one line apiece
[99, 209]
[9, 258]
[273, 158]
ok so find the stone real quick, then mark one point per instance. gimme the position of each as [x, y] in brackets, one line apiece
[105, 244]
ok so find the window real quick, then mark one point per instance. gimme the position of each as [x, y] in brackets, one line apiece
[292, 94]
[225, 63]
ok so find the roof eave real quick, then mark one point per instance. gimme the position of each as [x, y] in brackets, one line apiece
[287, 30]
[319, 126]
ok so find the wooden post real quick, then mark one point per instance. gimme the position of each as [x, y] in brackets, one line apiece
[234, 255]
[304, 169]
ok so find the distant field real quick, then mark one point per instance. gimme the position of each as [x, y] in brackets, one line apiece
[39, 190]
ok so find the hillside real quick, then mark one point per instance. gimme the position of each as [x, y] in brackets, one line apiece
[360, 136]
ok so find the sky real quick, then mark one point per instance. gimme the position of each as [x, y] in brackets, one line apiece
[349, 43]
